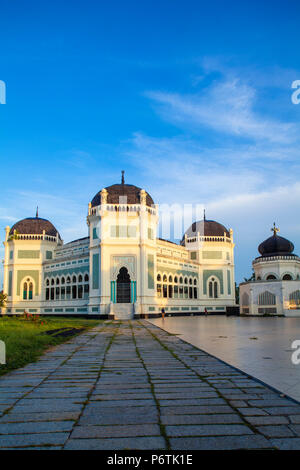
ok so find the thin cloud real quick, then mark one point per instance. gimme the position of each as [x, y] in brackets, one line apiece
[226, 106]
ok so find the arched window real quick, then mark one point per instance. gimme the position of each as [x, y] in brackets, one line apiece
[80, 278]
[158, 278]
[245, 299]
[170, 279]
[28, 289]
[57, 280]
[213, 289]
[176, 280]
[270, 277]
[86, 278]
[190, 281]
[180, 280]
[287, 277]
[295, 299]
[195, 282]
[165, 278]
[63, 280]
[25, 290]
[185, 280]
[266, 298]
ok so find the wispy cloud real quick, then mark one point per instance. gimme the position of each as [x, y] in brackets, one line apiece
[226, 106]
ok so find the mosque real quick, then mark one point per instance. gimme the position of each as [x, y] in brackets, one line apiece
[275, 285]
[120, 269]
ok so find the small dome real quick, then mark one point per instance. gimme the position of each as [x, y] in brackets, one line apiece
[208, 228]
[34, 226]
[276, 245]
[114, 192]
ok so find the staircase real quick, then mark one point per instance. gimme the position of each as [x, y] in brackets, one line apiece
[122, 311]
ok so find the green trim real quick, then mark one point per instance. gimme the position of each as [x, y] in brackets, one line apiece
[66, 271]
[82, 310]
[179, 272]
[10, 274]
[95, 235]
[11, 255]
[212, 254]
[218, 273]
[28, 254]
[47, 310]
[49, 254]
[123, 231]
[32, 310]
[70, 310]
[24, 273]
[95, 309]
[150, 271]
[228, 282]
[151, 309]
[96, 271]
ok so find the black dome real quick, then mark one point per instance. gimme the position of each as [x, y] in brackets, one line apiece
[208, 228]
[276, 245]
[34, 226]
[118, 190]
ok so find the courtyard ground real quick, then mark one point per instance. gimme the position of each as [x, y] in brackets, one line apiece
[258, 346]
[132, 385]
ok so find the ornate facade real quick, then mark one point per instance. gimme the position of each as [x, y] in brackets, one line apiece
[275, 287]
[121, 268]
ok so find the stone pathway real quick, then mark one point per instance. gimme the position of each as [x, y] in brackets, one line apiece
[133, 386]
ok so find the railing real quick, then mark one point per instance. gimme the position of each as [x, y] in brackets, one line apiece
[130, 208]
[204, 238]
[34, 237]
[264, 259]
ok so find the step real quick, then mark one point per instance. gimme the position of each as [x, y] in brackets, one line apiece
[122, 311]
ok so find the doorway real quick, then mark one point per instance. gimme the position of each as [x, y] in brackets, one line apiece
[123, 287]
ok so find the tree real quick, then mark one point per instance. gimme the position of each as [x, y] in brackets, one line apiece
[252, 278]
[237, 293]
[3, 299]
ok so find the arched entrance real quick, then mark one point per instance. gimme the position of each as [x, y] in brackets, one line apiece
[123, 287]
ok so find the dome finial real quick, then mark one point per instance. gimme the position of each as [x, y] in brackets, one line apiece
[37, 211]
[204, 217]
[275, 229]
[123, 179]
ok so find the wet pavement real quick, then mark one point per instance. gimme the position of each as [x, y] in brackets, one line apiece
[134, 386]
[259, 346]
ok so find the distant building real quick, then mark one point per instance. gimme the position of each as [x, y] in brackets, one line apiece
[121, 268]
[275, 288]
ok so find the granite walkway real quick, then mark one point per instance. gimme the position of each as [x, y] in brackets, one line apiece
[132, 385]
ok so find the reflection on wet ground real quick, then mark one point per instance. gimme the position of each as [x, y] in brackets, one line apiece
[258, 346]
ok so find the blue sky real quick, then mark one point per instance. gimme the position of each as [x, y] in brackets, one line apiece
[192, 99]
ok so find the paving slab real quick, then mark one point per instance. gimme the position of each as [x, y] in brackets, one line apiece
[131, 385]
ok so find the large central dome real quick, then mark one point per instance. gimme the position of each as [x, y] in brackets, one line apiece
[117, 191]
